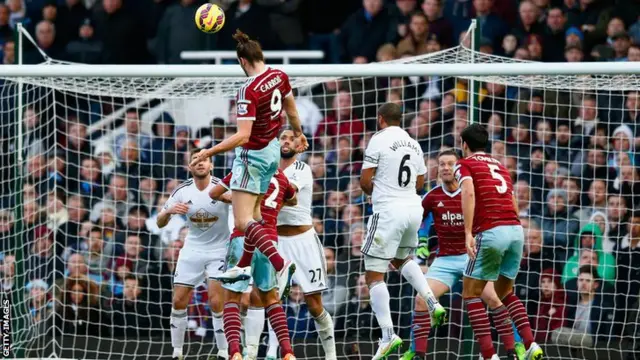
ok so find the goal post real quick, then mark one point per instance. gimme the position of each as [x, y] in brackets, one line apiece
[97, 149]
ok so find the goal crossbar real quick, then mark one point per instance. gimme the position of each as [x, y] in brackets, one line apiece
[194, 71]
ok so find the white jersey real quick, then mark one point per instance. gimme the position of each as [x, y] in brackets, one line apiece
[207, 219]
[299, 174]
[398, 160]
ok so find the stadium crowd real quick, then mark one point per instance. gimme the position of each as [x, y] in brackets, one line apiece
[89, 230]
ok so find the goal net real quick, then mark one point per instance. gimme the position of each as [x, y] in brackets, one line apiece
[87, 163]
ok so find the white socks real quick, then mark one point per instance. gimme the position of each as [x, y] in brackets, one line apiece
[324, 326]
[253, 325]
[178, 328]
[412, 272]
[218, 328]
[273, 343]
[380, 304]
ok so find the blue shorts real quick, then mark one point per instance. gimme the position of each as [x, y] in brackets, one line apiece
[253, 169]
[448, 269]
[499, 251]
[262, 272]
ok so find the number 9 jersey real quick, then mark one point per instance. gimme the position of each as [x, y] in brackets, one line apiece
[493, 191]
[398, 160]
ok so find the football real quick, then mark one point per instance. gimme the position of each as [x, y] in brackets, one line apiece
[209, 18]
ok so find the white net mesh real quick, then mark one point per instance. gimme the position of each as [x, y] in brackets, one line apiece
[100, 156]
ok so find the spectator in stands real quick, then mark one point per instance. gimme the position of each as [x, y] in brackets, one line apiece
[9, 53]
[620, 44]
[147, 192]
[617, 212]
[118, 197]
[590, 238]
[557, 225]
[18, 13]
[336, 295]
[77, 267]
[628, 260]
[622, 141]
[41, 262]
[589, 311]
[37, 292]
[415, 41]
[8, 268]
[46, 41]
[351, 261]
[79, 311]
[173, 37]
[36, 139]
[550, 314]
[554, 35]
[134, 315]
[573, 53]
[56, 212]
[536, 257]
[299, 320]
[528, 24]
[523, 195]
[71, 16]
[107, 162]
[91, 181]
[86, 47]
[634, 53]
[438, 24]
[366, 30]
[77, 146]
[491, 26]
[7, 231]
[561, 145]
[596, 201]
[251, 18]
[161, 278]
[360, 321]
[36, 170]
[139, 255]
[342, 121]
[132, 131]
[121, 268]
[132, 163]
[118, 28]
[6, 32]
[110, 223]
[137, 217]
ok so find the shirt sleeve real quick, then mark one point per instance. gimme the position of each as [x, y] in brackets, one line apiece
[246, 105]
[286, 85]
[461, 172]
[422, 168]
[290, 192]
[222, 183]
[426, 207]
[371, 155]
[172, 200]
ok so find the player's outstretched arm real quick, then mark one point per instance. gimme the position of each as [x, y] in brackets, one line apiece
[291, 196]
[468, 211]
[220, 193]
[420, 184]
[240, 138]
[290, 108]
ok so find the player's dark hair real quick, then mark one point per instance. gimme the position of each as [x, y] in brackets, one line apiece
[589, 269]
[194, 151]
[248, 49]
[447, 152]
[476, 137]
[391, 113]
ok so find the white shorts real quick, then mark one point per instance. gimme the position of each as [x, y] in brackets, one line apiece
[306, 251]
[391, 234]
[195, 265]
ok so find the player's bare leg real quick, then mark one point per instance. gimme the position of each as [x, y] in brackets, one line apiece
[278, 321]
[504, 290]
[324, 324]
[422, 321]
[253, 324]
[256, 236]
[179, 321]
[216, 304]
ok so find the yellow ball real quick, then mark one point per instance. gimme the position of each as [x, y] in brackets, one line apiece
[209, 18]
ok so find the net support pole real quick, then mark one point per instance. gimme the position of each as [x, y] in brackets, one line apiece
[474, 85]
[19, 305]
